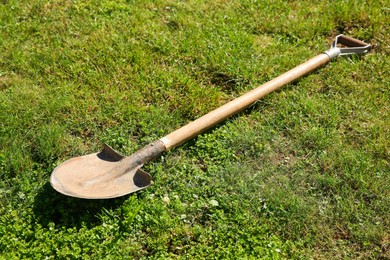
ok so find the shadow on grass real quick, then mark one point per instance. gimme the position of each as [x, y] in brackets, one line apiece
[51, 206]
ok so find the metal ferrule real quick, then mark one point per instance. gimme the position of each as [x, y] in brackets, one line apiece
[148, 153]
[333, 53]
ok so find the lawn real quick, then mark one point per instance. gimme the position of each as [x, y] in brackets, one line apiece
[303, 173]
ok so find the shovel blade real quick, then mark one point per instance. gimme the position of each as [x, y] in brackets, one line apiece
[99, 176]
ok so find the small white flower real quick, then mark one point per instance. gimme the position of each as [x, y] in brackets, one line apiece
[214, 203]
[166, 199]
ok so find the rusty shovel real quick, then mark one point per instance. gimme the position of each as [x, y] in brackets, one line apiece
[107, 174]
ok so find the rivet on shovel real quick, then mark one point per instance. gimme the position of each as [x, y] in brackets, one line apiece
[108, 174]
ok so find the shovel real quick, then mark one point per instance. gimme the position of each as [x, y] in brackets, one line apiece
[108, 174]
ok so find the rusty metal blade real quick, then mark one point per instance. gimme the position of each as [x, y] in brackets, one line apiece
[100, 176]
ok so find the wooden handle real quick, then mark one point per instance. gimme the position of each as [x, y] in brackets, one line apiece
[350, 42]
[203, 123]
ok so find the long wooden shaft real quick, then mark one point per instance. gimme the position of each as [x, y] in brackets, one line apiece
[203, 123]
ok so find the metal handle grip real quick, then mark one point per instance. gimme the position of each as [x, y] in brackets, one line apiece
[353, 46]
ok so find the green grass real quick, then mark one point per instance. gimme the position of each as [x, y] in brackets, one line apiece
[304, 173]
